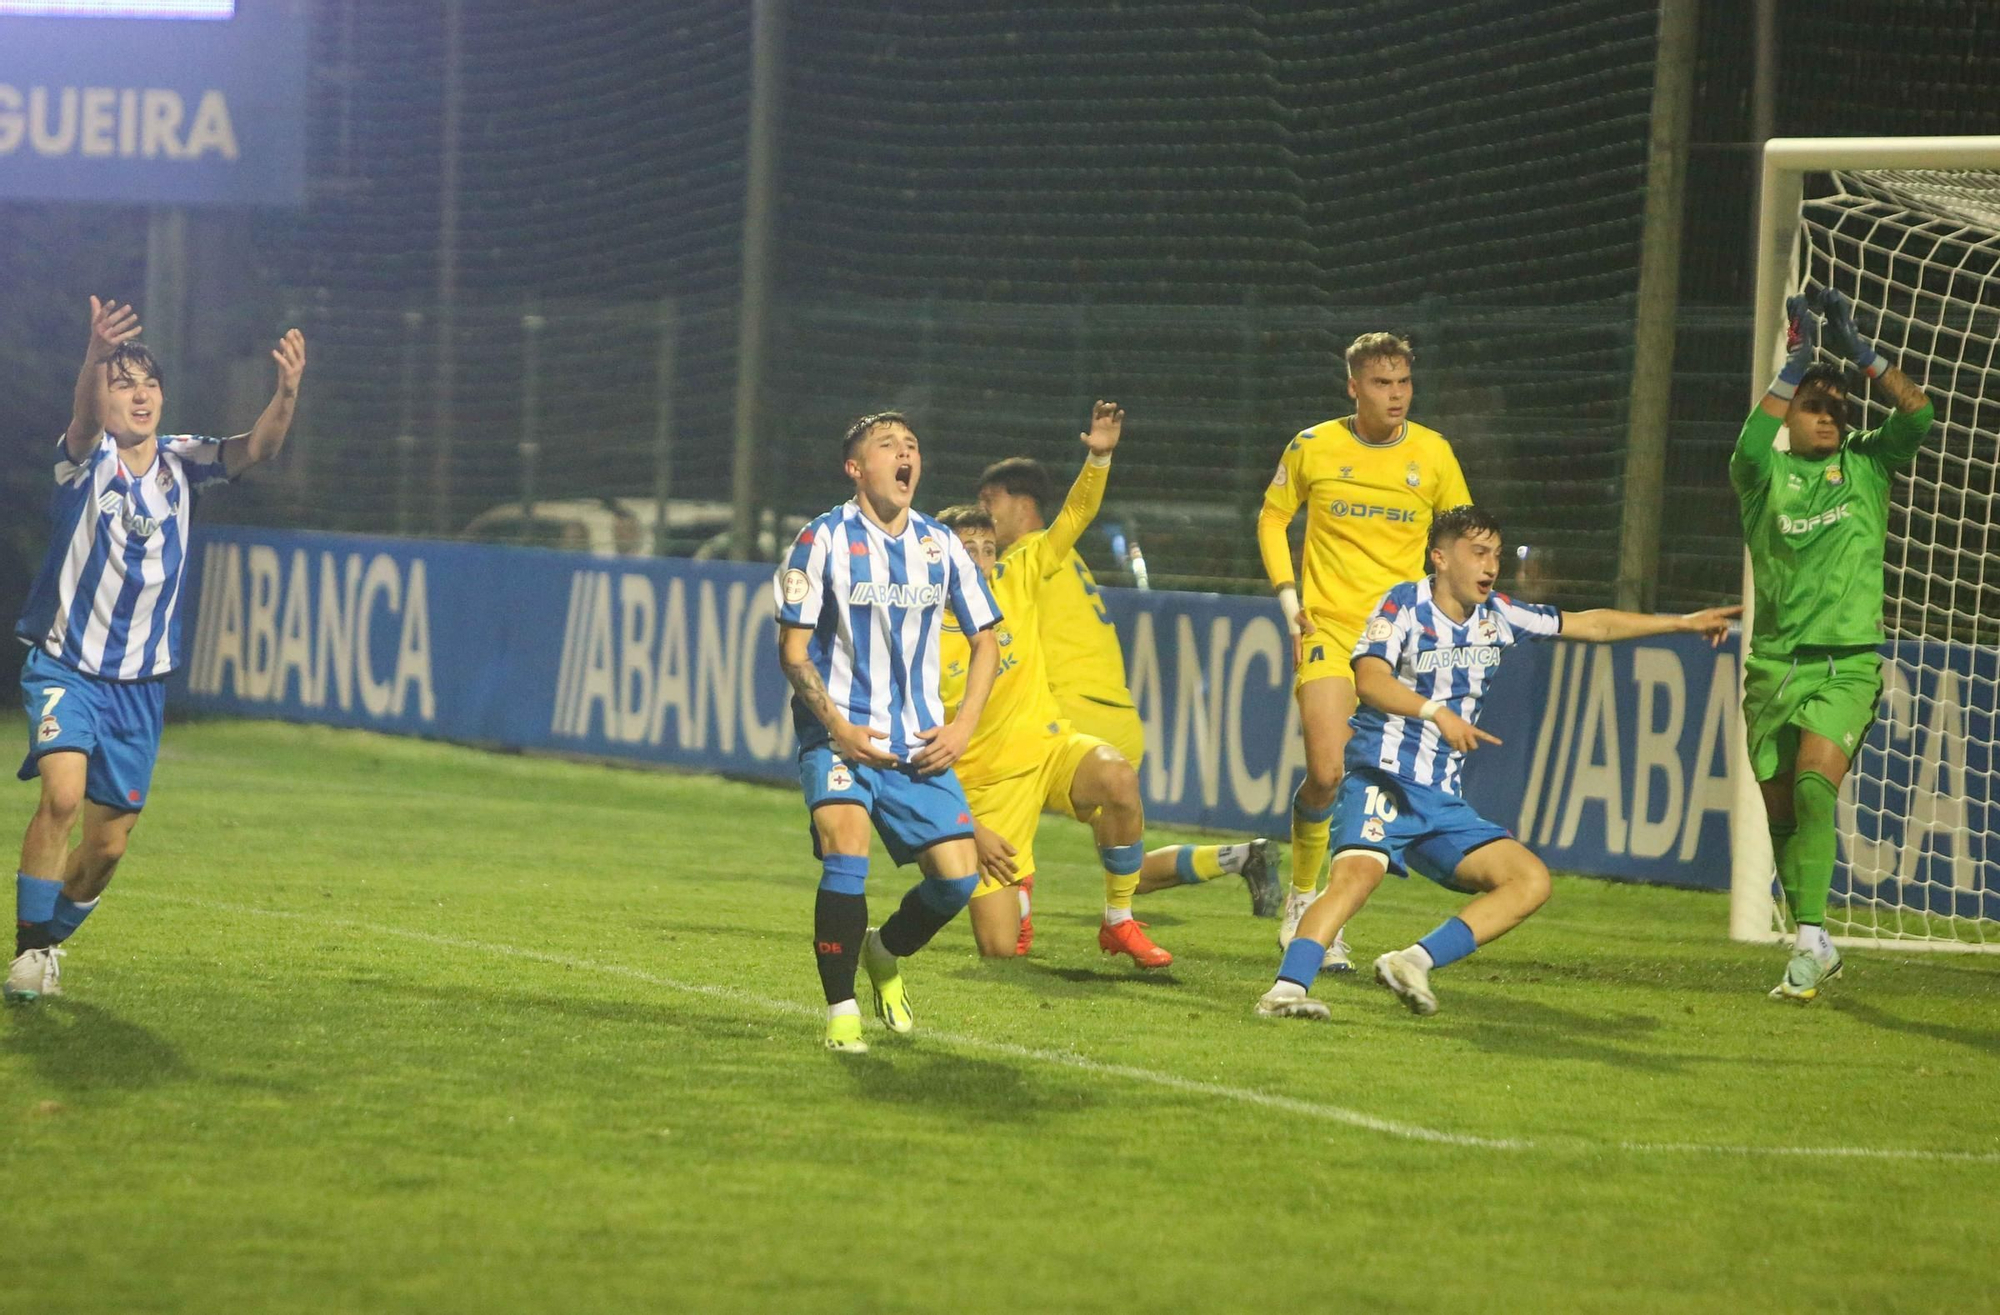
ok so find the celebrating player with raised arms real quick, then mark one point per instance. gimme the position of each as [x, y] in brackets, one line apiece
[1370, 484]
[1025, 758]
[104, 625]
[1421, 669]
[861, 597]
[1816, 519]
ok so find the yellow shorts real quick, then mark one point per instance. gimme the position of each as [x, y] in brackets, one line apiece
[1329, 651]
[1117, 726]
[1013, 806]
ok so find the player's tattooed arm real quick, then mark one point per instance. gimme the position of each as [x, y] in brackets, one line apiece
[855, 744]
[1903, 391]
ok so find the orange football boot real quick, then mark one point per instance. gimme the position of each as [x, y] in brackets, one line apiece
[1127, 938]
[1027, 888]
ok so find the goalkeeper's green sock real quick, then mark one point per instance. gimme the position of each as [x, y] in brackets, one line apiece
[1813, 799]
[1785, 850]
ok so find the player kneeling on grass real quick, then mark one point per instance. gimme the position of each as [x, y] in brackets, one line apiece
[103, 627]
[1025, 758]
[860, 597]
[1816, 519]
[1421, 670]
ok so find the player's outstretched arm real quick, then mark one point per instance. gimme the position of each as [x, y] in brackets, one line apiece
[1086, 495]
[1607, 625]
[943, 744]
[855, 744]
[267, 436]
[110, 326]
[1375, 684]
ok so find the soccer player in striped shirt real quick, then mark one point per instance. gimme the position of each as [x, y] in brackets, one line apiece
[103, 624]
[1816, 518]
[860, 598]
[1370, 484]
[1421, 668]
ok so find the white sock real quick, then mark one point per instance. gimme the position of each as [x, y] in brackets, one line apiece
[1812, 940]
[1022, 891]
[843, 1010]
[1423, 955]
[1232, 858]
[1112, 917]
[1285, 990]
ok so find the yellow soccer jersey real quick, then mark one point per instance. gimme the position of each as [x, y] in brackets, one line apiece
[1021, 712]
[1369, 509]
[1082, 645]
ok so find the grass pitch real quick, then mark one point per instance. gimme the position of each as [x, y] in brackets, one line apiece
[370, 1024]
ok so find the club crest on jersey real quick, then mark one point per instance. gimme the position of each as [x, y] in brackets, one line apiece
[1373, 830]
[48, 730]
[1412, 476]
[796, 586]
[838, 777]
[933, 551]
[1833, 475]
[1485, 632]
[1379, 630]
[165, 479]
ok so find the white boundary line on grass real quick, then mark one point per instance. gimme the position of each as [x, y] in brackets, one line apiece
[1084, 1064]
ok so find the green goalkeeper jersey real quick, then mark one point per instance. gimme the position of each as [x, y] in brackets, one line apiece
[1816, 530]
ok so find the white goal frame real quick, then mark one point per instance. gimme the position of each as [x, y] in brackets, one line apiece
[1787, 161]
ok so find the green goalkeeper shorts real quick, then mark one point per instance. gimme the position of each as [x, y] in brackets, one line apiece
[1831, 694]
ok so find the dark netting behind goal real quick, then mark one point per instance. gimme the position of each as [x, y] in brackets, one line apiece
[992, 218]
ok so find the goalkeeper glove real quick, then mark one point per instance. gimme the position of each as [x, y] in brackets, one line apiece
[1801, 336]
[1839, 310]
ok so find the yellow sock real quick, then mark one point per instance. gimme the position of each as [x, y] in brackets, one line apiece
[1121, 873]
[1309, 844]
[1204, 862]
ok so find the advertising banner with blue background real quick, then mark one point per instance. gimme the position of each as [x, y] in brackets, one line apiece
[1614, 761]
[163, 102]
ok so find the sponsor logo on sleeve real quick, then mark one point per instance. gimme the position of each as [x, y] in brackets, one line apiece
[796, 586]
[1379, 630]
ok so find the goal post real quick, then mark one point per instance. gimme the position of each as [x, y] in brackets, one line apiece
[1909, 227]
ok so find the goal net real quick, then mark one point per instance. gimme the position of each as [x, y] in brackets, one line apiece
[1917, 246]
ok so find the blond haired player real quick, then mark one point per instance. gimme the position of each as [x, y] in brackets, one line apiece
[1027, 758]
[1371, 483]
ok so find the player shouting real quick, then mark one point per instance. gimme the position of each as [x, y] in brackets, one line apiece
[1421, 669]
[1371, 483]
[1816, 519]
[860, 599]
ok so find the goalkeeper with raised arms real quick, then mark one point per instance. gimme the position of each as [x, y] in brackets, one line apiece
[1816, 519]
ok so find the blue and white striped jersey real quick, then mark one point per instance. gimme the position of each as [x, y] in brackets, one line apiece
[874, 604]
[1439, 660]
[107, 599]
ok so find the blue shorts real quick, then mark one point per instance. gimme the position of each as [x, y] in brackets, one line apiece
[911, 812]
[1386, 815]
[116, 723]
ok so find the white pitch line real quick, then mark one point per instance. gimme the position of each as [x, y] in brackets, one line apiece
[1082, 1063]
